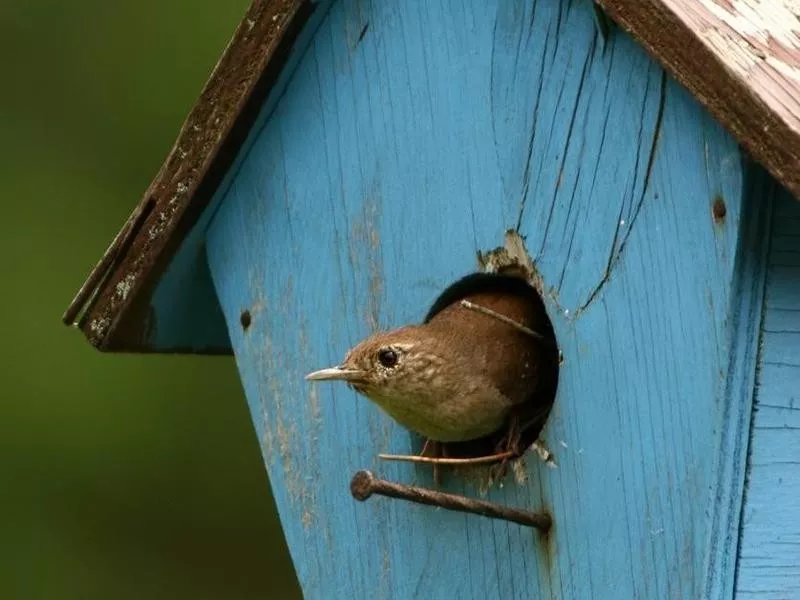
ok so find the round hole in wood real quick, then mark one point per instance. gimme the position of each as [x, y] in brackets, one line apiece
[524, 345]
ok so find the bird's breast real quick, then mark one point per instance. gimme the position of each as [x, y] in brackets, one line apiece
[448, 417]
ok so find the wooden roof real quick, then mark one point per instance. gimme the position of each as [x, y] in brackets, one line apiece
[740, 58]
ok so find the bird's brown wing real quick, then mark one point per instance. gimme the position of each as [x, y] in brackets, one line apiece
[514, 361]
[520, 366]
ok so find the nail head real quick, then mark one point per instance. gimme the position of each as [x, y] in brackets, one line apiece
[361, 486]
[719, 210]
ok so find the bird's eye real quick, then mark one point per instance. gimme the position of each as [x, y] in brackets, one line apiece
[387, 357]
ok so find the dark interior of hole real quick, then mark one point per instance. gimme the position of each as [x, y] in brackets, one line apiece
[536, 407]
[245, 319]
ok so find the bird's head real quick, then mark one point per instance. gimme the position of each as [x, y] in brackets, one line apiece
[388, 365]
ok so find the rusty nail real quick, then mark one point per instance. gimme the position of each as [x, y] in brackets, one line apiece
[245, 319]
[364, 484]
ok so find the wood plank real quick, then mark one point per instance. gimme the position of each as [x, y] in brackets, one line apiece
[741, 58]
[769, 560]
[413, 135]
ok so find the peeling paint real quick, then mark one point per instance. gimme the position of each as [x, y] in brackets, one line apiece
[99, 326]
[278, 406]
[365, 247]
[123, 288]
[759, 43]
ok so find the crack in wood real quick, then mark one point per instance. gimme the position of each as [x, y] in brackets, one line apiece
[616, 253]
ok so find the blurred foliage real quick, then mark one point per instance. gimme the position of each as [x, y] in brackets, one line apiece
[122, 476]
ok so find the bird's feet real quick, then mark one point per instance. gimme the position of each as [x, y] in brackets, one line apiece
[507, 449]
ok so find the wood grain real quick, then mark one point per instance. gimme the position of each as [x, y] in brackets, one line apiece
[413, 135]
[769, 559]
[741, 58]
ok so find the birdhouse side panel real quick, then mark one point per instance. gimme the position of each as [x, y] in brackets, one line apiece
[185, 315]
[410, 138]
[769, 553]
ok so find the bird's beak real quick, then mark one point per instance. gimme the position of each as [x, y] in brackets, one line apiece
[335, 374]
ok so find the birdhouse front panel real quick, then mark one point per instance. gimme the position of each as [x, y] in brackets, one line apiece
[412, 139]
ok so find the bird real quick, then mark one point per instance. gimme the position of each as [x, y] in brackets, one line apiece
[482, 362]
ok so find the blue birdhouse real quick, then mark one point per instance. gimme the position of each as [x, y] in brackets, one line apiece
[347, 161]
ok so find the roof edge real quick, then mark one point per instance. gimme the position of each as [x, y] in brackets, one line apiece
[112, 306]
[756, 101]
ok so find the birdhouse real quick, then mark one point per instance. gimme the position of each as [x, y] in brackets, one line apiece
[347, 162]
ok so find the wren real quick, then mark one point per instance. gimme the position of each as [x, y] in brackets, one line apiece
[483, 363]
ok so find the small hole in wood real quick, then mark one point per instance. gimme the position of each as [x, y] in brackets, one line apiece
[528, 362]
[719, 210]
[245, 319]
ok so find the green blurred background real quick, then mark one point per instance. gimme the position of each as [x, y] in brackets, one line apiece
[120, 476]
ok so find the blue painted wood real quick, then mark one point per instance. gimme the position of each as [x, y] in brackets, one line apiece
[729, 466]
[185, 314]
[412, 135]
[769, 559]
